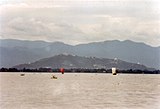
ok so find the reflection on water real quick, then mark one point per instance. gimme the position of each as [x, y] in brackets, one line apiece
[79, 91]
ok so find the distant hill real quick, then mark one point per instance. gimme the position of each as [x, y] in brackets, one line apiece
[70, 61]
[13, 52]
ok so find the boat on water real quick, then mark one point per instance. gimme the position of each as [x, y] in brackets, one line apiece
[53, 77]
[22, 74]
[114, 71]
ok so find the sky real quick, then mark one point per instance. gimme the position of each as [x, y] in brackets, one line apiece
[81, 21]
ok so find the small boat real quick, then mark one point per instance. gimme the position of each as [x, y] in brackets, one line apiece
[53, 77]
[22, 74]
[114, 71]
[62, 70]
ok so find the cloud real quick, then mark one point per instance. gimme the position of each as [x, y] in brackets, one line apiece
[36, 29]
[20, 26]
[77, 21]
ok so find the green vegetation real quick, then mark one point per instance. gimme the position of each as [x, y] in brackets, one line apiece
[80, 70]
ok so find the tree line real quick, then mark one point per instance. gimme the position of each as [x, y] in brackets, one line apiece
[81, 70]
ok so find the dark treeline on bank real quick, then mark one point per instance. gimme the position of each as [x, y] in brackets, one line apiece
[80, 70]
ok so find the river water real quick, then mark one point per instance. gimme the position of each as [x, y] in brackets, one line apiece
[79, 91]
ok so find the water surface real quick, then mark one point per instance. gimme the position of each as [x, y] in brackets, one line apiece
[79, 91]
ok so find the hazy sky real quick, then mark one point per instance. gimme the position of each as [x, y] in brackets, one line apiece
[81, 21]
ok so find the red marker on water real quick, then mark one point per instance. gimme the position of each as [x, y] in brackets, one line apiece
[62, 70]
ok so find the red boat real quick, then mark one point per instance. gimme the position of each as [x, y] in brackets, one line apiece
[62, 70]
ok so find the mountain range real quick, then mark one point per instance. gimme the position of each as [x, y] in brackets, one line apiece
[14, 52]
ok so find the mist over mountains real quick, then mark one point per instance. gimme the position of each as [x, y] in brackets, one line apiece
[14, 52]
